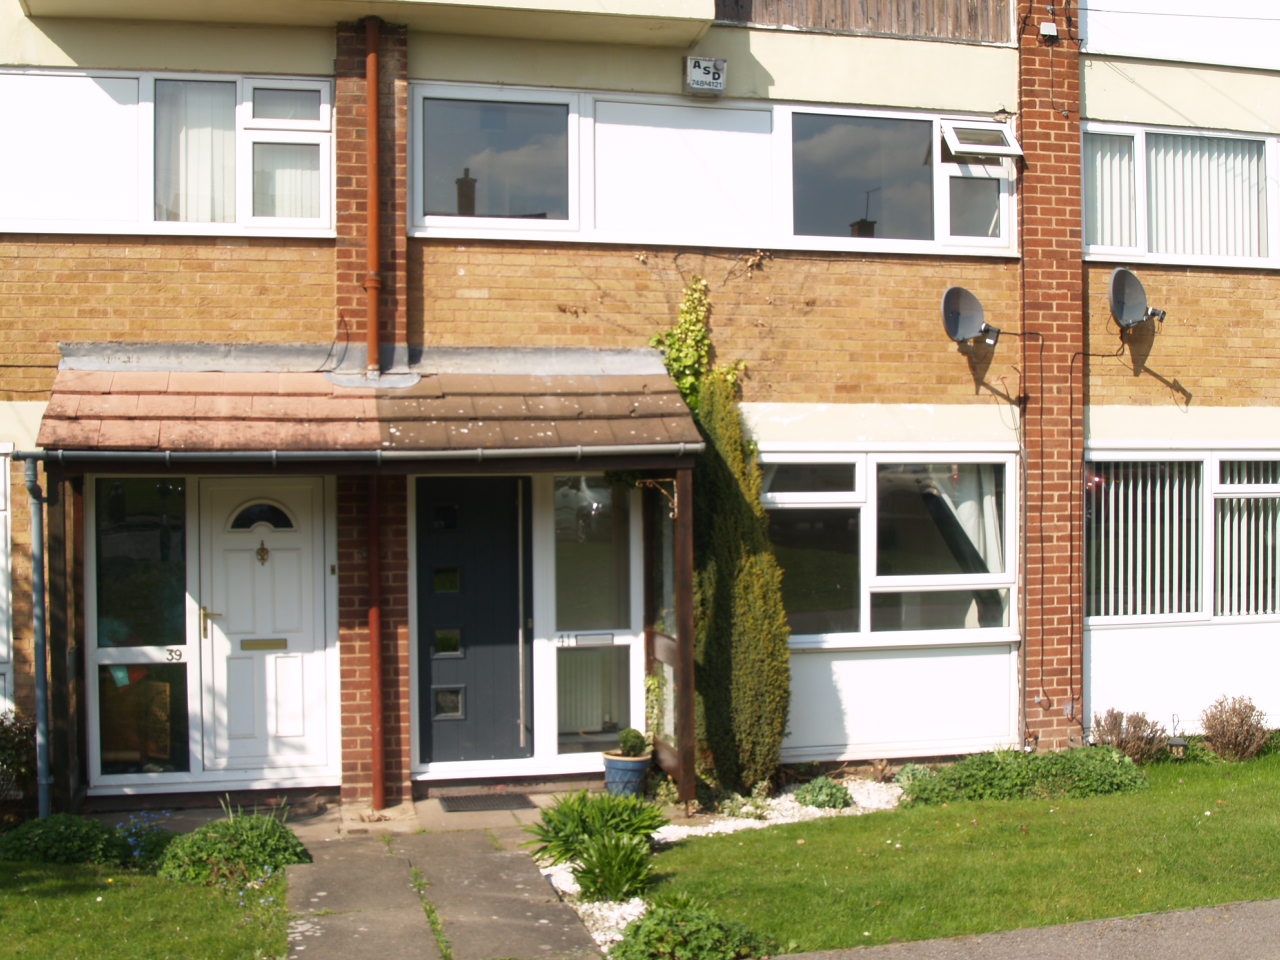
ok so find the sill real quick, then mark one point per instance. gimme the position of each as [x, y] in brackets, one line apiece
[732, 241]
[162, 229]
[917, 639]
[1110, 256]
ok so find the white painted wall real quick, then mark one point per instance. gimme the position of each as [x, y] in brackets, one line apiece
[1168, 669]
[1240, 33]
[762, 64]
[867, 704]
[1180, 94]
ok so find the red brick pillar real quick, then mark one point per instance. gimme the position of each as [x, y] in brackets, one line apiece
[351, 177]
[1053, 362]
[350, 104]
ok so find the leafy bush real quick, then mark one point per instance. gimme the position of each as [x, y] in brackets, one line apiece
[911, 772]
[825, 793]
[1012, 774]
[613, 866]
[1139, 739]
[17, 756]
[146, 839]
[1235, 728]
[243, 847]
[685, 933]
[754, 807]
[631, 742]
[564, 827]
[64, 838]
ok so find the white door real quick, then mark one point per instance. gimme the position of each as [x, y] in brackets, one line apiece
[262, 625]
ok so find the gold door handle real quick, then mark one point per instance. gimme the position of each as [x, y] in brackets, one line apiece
[205, 616]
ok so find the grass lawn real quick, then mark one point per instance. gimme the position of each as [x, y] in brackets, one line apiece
[102, 913]
[1202, 834]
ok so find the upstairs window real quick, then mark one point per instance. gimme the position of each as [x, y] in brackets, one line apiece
[1177, 197]
[491, 163]
[172, 154]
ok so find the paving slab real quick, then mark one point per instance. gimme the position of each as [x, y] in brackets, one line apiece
[356, 900]
[492, 900]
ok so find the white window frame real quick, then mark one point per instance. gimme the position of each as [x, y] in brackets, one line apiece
[248, 131]
[1212, 490]
[1141, 251]
[578, 186]
[864, 498]
[951, 134]
[772, 228]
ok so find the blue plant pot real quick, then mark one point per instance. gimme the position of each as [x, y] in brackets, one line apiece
[624, 776]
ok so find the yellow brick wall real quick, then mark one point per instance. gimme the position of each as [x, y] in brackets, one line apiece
[222, 290]
[1220, 340]
[811, 327]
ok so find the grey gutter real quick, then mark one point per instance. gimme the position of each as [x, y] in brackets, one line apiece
[477, 454]
[40, 653]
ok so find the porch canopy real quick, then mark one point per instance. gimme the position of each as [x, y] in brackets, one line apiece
[220, 408]
[207, 402]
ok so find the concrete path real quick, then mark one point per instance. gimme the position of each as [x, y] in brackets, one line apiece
[375, 889]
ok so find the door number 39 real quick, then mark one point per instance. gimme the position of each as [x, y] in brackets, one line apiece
[173, 654]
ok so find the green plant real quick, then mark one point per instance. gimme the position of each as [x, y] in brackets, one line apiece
[146, 838]
[686, 347]
[565, 826]
[17, 755]
[825, 793]
[753, 807]
[241, 848]
[631, 742]
[64, 838]
[1234, 728]
[683, 933]
[911, 772]
[1013, 774]
[613, 866]
[1138, 738]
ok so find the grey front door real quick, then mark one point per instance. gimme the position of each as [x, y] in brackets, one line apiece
[474, 667]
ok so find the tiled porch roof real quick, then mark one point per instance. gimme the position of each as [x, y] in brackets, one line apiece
[224, 411]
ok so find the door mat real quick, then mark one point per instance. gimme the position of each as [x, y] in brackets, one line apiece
[474, 802]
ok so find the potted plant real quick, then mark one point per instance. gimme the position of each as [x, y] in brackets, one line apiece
[625, 767]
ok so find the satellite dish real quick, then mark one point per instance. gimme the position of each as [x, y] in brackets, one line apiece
[1128, 299]
[962, 315]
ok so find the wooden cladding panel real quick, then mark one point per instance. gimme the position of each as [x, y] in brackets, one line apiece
[986, 21]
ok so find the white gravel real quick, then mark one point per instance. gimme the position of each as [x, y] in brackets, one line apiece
[605, 921]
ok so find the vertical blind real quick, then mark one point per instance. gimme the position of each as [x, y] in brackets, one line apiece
[1206, 195]
[1143, 538]
[1110, 210]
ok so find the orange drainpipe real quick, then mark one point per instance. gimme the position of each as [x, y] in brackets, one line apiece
[373, 288]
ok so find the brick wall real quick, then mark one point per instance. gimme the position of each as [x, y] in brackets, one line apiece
[223, 290]
[1220, 341]
[812, 328]
[351, 271]
[1052, 347]
[353, 612]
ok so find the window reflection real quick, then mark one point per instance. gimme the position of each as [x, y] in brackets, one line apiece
[818, 552]
[142, 711]
[593, 544]
[862, 177]
[485, 158]
[141, 562]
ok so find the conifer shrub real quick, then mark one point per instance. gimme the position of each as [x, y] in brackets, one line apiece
[743, 666]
